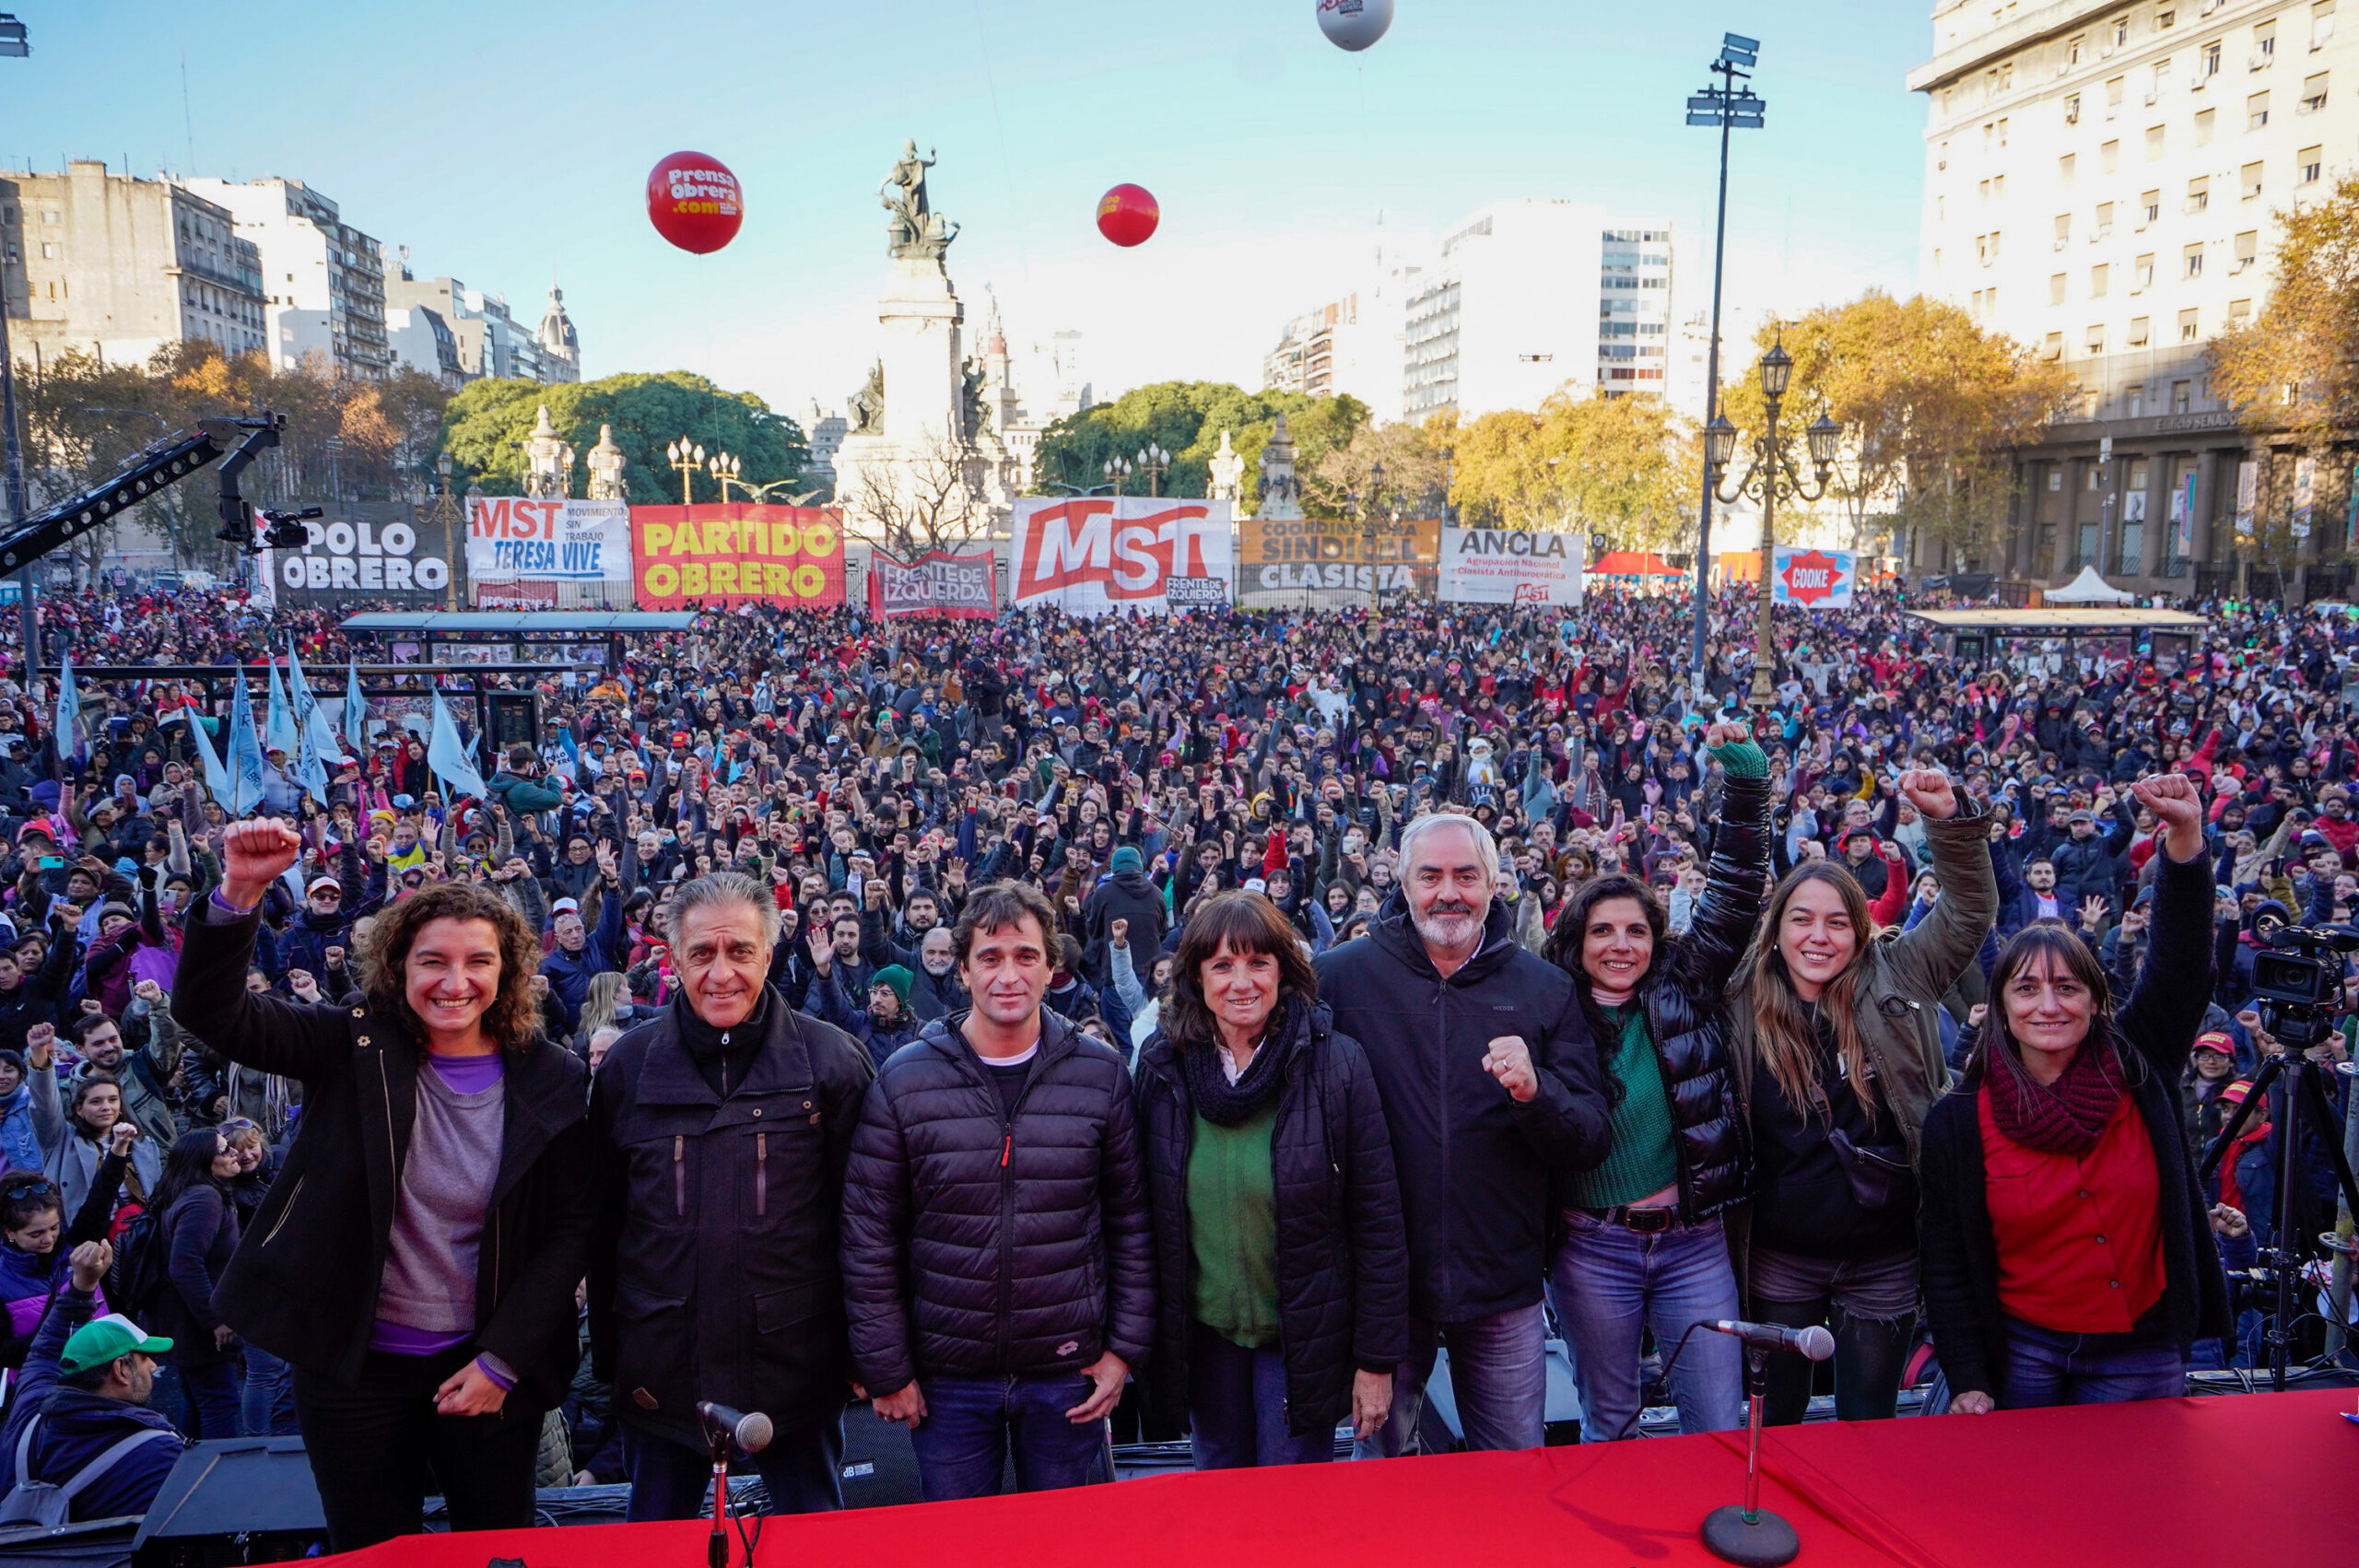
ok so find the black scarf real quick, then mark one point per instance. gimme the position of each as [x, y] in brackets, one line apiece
[1231, 1104]
[724, 1058]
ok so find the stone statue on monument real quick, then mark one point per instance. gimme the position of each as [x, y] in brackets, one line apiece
[868, 402]
[914, 228]
[971, 398]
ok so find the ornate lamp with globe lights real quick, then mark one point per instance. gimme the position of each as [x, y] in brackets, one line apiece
[1769, 477]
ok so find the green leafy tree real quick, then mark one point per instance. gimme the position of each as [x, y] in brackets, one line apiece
[488, 421]
[1186, 418]
[1625, 467]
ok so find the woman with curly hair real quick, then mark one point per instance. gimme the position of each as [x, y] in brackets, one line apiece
[416, 1258]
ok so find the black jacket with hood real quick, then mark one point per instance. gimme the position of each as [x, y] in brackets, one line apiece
[1475, 1165]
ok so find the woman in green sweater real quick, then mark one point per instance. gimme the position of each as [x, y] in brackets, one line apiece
[1644, 1247]
[1282, 1268]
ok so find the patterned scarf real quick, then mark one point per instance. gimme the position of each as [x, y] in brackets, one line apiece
[2063, 1117]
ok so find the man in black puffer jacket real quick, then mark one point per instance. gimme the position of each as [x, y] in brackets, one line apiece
[1492, 1088]
[996, 1261]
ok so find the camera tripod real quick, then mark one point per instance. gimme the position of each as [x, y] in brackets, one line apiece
[2306, 1101]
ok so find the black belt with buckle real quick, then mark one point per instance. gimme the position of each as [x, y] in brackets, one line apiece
[1643, 1222]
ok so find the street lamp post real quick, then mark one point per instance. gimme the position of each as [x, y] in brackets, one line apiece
[1725, 108]
[1769, 476]
[686, 455]
[1367, 533]
[1156, 463]
[725, 468]
[1118, 472]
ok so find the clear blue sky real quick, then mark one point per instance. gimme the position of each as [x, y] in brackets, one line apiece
[508, 145]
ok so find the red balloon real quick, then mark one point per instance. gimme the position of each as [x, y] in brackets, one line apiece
[695, 201]
[1128, 215]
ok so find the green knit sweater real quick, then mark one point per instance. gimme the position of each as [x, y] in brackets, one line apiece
[1233, 1229]
[1643, 1162]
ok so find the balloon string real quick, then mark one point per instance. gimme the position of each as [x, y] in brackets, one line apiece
[1006, 164]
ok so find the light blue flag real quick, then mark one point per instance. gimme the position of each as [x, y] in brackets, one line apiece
[448, 757]
[69, 711]
[246, 765]
[217, 777]
[310, 716]
[281, 737]
[310, 772]
[356, 711]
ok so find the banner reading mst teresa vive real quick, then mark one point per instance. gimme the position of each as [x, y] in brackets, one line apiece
[1102, 555]
[1510, 565]
[936, 583]
[520, 539]
[684, 557]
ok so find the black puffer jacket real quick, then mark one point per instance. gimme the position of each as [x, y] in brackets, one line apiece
[1687, 1013]
[1343, 1254]
[1474, 1163]
[975, 1245]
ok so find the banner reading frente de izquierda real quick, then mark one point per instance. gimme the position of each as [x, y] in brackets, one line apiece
[736, 553]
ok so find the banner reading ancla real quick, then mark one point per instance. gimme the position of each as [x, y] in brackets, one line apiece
[1097, 555]
[686, 556]
[1510, 565]
[935, 584]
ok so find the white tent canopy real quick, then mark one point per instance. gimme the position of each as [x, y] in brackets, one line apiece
[2088, 589]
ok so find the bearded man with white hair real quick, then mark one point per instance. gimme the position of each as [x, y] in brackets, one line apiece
[1491, 1084]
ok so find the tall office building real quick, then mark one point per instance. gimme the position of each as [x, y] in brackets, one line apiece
[325, 280]
[2103, 184]
[1532, 296]
[119, 267]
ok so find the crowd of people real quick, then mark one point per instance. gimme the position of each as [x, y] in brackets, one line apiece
[1198, 1022]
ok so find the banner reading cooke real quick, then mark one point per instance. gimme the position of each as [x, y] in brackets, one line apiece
[1509, 566]
[1097, 555]
[1326, 552]
[688, 556]
[935, 584]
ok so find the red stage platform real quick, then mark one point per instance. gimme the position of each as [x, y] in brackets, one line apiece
[2213, 1482]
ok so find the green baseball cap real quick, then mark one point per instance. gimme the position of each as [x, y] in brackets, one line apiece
[106, 1338]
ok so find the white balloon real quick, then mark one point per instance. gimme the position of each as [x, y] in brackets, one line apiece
[1353, 24]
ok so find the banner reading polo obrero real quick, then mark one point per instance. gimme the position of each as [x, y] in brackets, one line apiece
[936, 583]
[688, 558]
[1107, 554]
[1811, 578]
[1510, 565]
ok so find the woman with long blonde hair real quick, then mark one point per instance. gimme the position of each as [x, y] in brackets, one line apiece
[1837, 1043]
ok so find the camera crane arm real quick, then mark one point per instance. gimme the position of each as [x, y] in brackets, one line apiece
[236, 442]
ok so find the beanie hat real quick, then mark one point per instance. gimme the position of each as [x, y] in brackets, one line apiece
[893, 975]
[1126, 859]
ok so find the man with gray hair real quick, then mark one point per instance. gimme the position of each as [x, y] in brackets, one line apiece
[1491, 1083]
[723, 1128]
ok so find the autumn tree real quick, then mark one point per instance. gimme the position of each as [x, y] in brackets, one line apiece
[1929, 403]
[932, 499]
[1625, 467]
[2294, 373]
[1415, 459]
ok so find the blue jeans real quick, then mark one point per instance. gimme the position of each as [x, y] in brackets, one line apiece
[1498, 1375]
[266, 1404]
[1236, 1407]
[1612, 1283]
[801, 1469]
[974, 1425]
[2046, 1366]
[211, 1390]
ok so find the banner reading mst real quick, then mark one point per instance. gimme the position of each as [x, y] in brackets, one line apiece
[683, 557]
[1101, 554]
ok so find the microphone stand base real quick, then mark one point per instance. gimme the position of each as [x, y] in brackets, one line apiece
[1764, 1541]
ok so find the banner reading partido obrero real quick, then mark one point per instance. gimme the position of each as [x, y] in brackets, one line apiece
[683, 557]
[1103, 554]
[1510, 565]
[936, 583]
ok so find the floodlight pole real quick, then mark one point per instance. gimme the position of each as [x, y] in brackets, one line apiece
[1725, 107]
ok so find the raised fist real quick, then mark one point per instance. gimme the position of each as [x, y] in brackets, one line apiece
[1928, 789]
[253, 855]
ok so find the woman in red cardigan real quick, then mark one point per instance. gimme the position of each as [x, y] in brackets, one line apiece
[2067, 1252]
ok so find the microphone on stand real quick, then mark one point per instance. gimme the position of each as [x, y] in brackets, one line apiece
[751, 1431]
[1813, 1343]
[1750, 1536]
